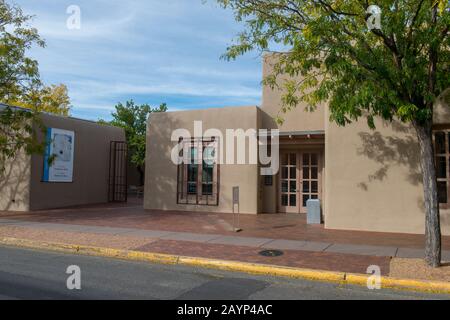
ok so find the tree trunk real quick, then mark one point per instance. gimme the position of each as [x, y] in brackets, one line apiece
[432, 218]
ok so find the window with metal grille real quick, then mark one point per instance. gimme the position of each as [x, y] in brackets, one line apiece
[198, 175]
[442, 153]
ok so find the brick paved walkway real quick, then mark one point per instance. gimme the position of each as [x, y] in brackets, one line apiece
[197, 246]
[269, 226]
[185, 240]
[210, 235]
[290, 258]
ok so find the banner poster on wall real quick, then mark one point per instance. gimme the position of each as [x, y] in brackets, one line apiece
[59, 155]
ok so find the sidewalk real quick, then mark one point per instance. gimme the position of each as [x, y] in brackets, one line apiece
[218, 239]
[188, 244]
[269, 226]
[211, 236]
[300, 254]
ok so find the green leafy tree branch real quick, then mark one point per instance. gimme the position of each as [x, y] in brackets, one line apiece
[133, 119]
[394, 71]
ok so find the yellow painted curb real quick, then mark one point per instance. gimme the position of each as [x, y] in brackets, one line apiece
[402, 284]
[261, 269]
[252, 268]
[94, 251]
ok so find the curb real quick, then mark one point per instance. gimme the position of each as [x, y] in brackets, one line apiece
[251, 268]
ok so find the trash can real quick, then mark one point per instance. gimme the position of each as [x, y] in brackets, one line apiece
[313, 215]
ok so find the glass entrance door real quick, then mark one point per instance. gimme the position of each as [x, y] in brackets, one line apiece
[300, 180]
[310, 173]
[288, 196]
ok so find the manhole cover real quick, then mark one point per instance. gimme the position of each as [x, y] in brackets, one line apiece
[271, 253]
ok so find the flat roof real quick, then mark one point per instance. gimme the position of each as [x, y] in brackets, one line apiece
[214, 108]
[3, 105]
[298, 133]
[302, 133]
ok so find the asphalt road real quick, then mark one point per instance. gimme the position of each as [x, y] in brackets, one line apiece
[31, 274]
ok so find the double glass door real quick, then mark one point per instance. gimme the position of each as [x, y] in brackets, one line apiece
[300, 180]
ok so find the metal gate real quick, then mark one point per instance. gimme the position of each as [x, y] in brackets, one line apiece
[118, 163]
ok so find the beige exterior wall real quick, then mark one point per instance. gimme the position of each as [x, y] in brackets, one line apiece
[161, 173]
[15, 184]
[298, 119]
[442, 109]
[373, 179]
[269, 196]
[91, 166]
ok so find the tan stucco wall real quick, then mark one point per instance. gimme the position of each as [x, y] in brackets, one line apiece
[15, 184]
[297, 119]
[161, 173]
[442, 108]
[269, 196]
[373, 179]
[91, 166]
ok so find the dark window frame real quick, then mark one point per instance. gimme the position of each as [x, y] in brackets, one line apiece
[199, 197]
[443, 155]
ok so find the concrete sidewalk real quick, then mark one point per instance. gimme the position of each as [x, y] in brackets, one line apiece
[283, 226]
[219, 239]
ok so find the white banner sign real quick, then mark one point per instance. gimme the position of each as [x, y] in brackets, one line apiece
[58, 159]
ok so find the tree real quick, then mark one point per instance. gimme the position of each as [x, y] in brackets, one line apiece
[17, 133]
[52, 99]
[133, 119]
[392, 71]
[18, 74]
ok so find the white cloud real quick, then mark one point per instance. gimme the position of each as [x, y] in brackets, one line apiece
[151, 50]
[101, 90]
[212, 72]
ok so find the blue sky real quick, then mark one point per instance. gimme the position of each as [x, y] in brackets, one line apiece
[152, 51]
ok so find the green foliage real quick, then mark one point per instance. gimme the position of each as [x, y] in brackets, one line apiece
[447, 97]
[133, 119]
[51, 99]
[18, 133]
[18, 75]
[332, 56]
[20, 84]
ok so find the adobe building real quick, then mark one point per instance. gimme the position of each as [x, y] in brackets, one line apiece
[88, 168]
[365, 179]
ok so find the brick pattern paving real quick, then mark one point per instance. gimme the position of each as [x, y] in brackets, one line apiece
[271, 226]
[290, 258]
[266, 243]
[79, 238]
